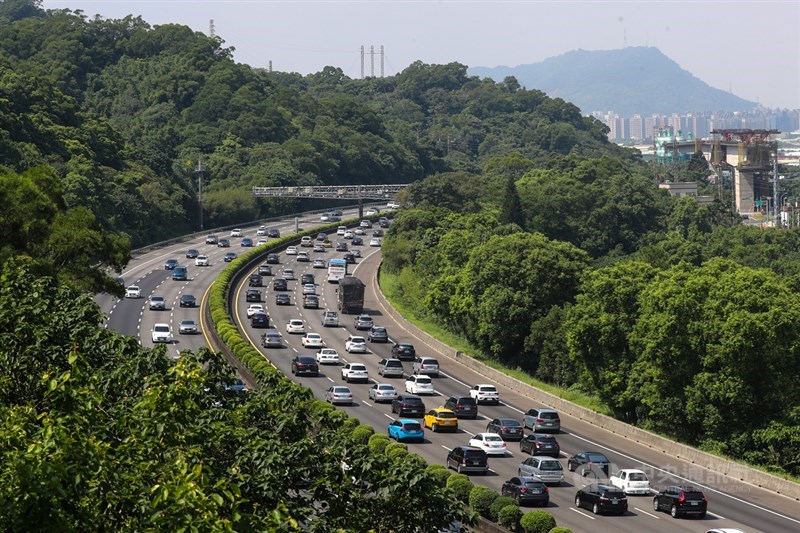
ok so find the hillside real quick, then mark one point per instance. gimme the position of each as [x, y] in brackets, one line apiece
[628, 81]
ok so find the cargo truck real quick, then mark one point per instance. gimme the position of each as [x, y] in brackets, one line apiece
[351, 295]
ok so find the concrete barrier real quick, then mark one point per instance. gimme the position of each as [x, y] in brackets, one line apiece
[719, 465]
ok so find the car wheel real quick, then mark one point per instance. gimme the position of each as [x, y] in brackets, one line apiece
[434, 428]
[595, 509]
[343, 378]
[570, 467]
[673, 511]
[458, 469]
[577, 501]
[655, 504]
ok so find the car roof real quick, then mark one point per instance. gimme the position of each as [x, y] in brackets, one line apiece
[306, 358]
[407, 421]
[442, 410]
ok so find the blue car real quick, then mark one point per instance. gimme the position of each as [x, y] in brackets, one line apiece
[247, 242]
[170, 264]
[405, 429]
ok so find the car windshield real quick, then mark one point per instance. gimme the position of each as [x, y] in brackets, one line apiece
[692, 495]
[510, 423]
[597, 457]
[306, 359]
[534, 484]
[548, 416]
[446, 414]
[161, 328]
[385, 387]
[550, 465]
[473, 453]
[357, 339]
[423, 380]
[341, 389]
[492, 438]
[545, 437]
[411, 427]
[637, 476]
[360, 368]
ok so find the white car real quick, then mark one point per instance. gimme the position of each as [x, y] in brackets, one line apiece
[485, 393]
[348, 234]
[382, 392]
[355, 344]
[355, 372]
[306, 241]
[419, 385]
[319, 248]
[201, 261]
[162, 333]
[312, 340]
[187, 326]
[291, 250]
[356, 252]
[295, 325]
[262, 231]
[631, 481]
[288, 273]
[236, 232]
[393, 205]
[340, 230]
[253, 309]
[366, 223]
[309, 288]
[261, 242]
[133, 292]
[328, 356]
[324, 217]
[360, 231]
[319, 263]
[303, 257]
[375, 241]
[491, 443]
[371, 211]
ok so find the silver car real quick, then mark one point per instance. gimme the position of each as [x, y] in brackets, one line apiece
[547, 469]
[339, 394]
[382, 392]
[542, 420]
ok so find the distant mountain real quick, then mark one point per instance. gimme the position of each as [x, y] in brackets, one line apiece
[631, 80]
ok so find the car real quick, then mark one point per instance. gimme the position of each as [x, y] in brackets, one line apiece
[273, 233]
[288, 274]
[324, 217]
[426, 365]
[253, 309]
[331, 319]
[273, 259]
[223, 243]
[681, 501]
[321, 236]
[236, 232]
[408, 405]
[526, 490]
[356, 253]
[468, 460]
[463, 406]
[403, 351]
[377, 334]
[542, 419]
[262, 231]
[312, 340]
[327, 356]
[341, 246]
[485, 393]
[187, 300]
[327, 243]
[318, 248]
[296, 326]
[587, 463]
[349, 258]
[310, 301]
[374, 242]
[359, 231]
[508, 428]
[337, 212]
[272, 339]
[355, 344]
[631, 481]
[187, 326]
[261, 242]
[161, 333]
[211, 239]
[404, 429]
[306, 241]
[302, 257]
[157, 303]
[339, 395]
[540, 444]
[441, 419]
[265, 270]
[366, 223]
[601, 498]
[390, 367]
[170, 264]
[280, 284]
[252, 295]
[305, 364]
[548, 469]
[371, 211]
[133, 292]
[724, 530]
[377, 233]
[382, 392]
[383, 222]
[419, 385]
[180, 273]
[363, 321]
[491, 443]
[259, 320]
[307, 277]
[230, 256]
[340, 230]
[191, 253]
[348, 235]
[319, 263]
[291, 250]
[201, 261]
[392, 205]
[255, 280]
[309, 288]
[355, 372]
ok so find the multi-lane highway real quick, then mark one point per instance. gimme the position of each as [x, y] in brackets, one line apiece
[731, 503]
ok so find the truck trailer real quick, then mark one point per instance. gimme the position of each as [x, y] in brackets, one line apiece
[351, 295]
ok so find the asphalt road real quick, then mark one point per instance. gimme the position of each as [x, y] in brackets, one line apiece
[731, 503]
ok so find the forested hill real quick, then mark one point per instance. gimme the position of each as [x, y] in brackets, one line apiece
[123, 111]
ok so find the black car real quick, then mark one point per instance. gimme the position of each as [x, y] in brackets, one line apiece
[223, 243]
[363, 322]
[252, 295]
[357, 241]
[273, 233]
[467, 459]
[350, 259]
[404, 351]
[191, 253]
[526, 490]
[378, 334]
[311, 301]
[463, 406]
[383, 222]
[341, 246]
[305, 364]
[187, 300]
[408, 405]
[307, 278]
[265, 270]
[273, 259]
[540, 444]
[260, 320]
[255, 280]
[508, 428]
[230, 256]
[377, 233]
[337, 213]
[587, 463]
[602, 498]
[282, 299]
[280, 284]
[681, 501]
[170, 264]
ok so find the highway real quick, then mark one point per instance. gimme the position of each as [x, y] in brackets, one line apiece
[731, 504]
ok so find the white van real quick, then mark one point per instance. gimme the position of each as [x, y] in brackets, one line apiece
[330, 319]
[306, 242]
[340, 230]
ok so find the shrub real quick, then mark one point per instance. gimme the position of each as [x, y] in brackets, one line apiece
[395, 453]
[560, 529]
[393, 446]
[481, 499]
[378, 442]
[461, 486]
[362, 433]
[440, 472]
[499, 503]
[349, 424]
[537, 522]
[509, 517]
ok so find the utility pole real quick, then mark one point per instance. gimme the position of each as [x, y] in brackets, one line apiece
[775, 182]
[201, 167]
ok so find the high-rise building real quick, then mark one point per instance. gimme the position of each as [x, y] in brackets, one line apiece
[636, 127]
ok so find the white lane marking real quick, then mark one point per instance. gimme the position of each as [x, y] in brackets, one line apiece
[648, 514]
[446, 448]
[581, 513]
[716, 515]
[471, 434]
[329, 379]
[390, 417]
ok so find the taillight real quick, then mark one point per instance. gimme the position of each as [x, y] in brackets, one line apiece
[682, 498]
[539, 420]
[524, 489]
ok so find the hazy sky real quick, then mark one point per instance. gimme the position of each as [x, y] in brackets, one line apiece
[751, 48]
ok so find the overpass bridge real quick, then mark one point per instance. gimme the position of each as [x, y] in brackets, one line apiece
[359, 193]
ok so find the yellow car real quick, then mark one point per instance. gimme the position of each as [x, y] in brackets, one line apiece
[441, 419]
